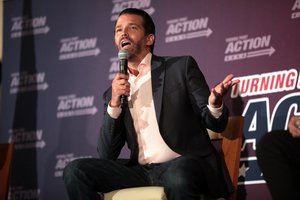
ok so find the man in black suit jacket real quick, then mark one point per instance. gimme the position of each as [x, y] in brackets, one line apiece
[164, 125]
[278, 155]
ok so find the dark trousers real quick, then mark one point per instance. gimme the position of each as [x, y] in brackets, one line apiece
[278, 155]
[182, 178]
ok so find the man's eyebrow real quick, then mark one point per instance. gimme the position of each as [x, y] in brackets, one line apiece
[132, 23]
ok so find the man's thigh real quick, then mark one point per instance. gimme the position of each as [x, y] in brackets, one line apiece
[108, 175]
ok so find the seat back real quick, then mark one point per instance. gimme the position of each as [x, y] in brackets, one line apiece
[6, 156]
[231, 141]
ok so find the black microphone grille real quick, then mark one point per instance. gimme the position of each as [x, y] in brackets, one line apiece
[123, 54]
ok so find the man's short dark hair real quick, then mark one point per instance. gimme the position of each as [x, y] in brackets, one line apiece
[148, 23]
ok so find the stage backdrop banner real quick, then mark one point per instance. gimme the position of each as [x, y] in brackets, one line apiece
[59, 58]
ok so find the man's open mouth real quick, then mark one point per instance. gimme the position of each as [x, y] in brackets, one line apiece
[125, 43]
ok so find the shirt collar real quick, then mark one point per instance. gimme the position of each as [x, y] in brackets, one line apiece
[144, 65]
[147, 60]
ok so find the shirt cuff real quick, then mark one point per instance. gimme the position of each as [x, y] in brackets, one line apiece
[114, 112]
[216, 112]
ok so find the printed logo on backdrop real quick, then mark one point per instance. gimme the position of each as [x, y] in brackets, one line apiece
[27, 82]
[258, 116]
[25, 26]
[62, 161]
[75, 47]
[114, 68]
[266, 83]
[120, 5]
[184, 29]
[296, 10]
[27, 139]
[18, 192]
[71, 106]
[244, 47]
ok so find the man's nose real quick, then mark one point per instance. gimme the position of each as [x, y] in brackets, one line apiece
[124, 33]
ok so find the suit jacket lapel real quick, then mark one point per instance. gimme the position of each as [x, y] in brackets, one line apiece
[157, 78]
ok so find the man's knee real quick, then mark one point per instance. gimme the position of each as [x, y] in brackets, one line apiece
[177, 179]
[71, 169]
[184, 174]
[271, 140]
[272, 147]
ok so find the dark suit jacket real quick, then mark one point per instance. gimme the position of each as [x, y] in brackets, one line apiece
[180, 95]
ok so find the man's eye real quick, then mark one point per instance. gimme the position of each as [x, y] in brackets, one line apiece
[118, 30]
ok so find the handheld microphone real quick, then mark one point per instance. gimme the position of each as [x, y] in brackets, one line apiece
[123, 66]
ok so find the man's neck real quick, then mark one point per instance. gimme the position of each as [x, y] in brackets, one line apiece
[135, 60]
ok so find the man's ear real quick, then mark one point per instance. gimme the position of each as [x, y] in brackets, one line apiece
[150, 39]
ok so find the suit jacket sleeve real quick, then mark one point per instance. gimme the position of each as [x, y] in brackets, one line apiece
[184, 114]
[198, 93]
[111, 140]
